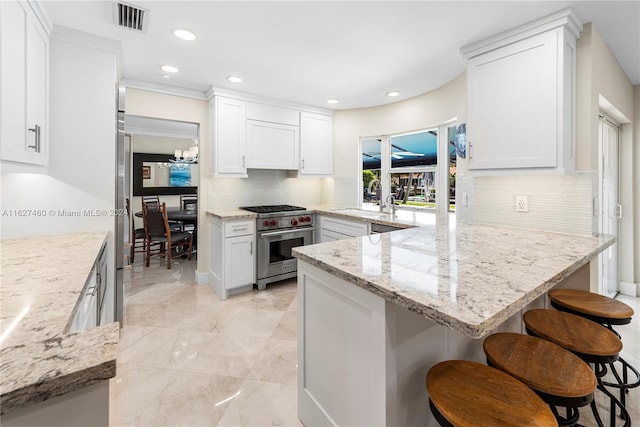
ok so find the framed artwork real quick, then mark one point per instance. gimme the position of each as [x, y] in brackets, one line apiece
[146, 172]
[461, 140]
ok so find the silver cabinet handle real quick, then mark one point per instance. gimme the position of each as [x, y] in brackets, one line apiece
[302, 164]
[243, 161]
[36, 131]
[251, 249]
[469, 149]
[240, 228]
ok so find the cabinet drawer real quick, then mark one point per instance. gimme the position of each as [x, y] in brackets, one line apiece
[346, 228]
[238, 228]
[269, 113]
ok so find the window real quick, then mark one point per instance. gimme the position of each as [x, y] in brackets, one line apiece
[410, 167]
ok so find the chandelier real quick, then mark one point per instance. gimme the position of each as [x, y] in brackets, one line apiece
[187, 156]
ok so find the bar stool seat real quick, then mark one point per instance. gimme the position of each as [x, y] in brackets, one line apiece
[588, 340]
[464, 393]
[599, 308]
[558, 376]
[607, 312]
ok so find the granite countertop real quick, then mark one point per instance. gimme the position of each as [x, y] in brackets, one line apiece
[232, 214]
[42, 280]
[470, 278]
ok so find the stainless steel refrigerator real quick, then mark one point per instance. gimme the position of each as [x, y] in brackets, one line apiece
[123, 155]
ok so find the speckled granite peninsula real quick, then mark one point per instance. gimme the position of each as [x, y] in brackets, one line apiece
[376, 312]
[468, 277]
[41, 281]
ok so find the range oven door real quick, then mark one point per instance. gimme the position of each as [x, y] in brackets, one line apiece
[275, 261]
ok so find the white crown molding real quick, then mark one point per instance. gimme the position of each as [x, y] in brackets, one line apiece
[82, 38]
[42, 15]
[564, 18]
[165, 89]
[243, 96]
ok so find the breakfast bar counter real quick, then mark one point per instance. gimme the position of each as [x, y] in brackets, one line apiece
[376, 312]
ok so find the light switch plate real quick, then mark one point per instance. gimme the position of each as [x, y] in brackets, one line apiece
[522, 203]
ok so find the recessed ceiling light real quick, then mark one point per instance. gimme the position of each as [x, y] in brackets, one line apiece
[234, 79]
[393, 93]
[169, 68]
[183, 34]
[333, 101]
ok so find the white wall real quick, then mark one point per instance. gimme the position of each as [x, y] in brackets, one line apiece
[164, 106]
[635, 192]
[81, 173]
[424, 111]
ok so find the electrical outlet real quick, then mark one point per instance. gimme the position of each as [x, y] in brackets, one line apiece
[522, 203]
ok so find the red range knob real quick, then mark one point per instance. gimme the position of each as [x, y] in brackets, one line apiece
[294, 222]
[308, 219]
[273, 222]
[266, 222]
[301, 219]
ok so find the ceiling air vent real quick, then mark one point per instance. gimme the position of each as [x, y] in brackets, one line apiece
[131, 17]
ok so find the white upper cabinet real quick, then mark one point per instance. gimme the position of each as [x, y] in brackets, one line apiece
[229, 137]
[272, 145]
[316, 144]
[273, 139]
[521, 97]
[258, 135]
[24, 85]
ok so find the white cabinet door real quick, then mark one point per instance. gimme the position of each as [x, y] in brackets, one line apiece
[239, 261]
[24, 66]
[512, 100]
[229, 137]
[272, 145]
[521, 98]
[316, 144]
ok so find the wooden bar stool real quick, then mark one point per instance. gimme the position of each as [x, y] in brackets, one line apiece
[607, 312]
[591, 342]
[558, 376]
[463, 393]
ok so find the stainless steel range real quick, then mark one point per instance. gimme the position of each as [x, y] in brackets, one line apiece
[279, 229]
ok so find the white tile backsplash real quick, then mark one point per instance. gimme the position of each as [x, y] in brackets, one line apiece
[265, 187]
[561, 203]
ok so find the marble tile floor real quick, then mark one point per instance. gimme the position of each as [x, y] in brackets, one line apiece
[186, 358]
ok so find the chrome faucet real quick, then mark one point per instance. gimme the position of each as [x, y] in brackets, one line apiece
[378, 186]
[392, 203]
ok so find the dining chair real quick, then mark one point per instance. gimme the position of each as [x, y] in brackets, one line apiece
[188, 201]
[151, 199]
[137, 236]
[158, 231]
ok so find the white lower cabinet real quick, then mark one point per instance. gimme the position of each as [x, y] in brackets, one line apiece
[95, 297]
[232, 266]
[331, 229]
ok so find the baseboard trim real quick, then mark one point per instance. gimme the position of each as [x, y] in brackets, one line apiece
[630, 289]
[202, 278]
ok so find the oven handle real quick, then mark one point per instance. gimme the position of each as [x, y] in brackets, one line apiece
[279, 233]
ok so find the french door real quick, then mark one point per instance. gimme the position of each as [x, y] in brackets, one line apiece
[610, 208]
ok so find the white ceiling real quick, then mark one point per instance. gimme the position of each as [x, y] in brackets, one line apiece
[308, 52]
